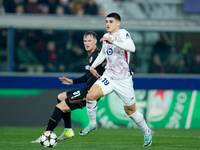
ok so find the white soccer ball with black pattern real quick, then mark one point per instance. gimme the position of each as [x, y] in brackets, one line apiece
[48, 139]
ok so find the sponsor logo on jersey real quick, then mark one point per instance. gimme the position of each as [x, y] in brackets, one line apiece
[110, 51]
[127, 36]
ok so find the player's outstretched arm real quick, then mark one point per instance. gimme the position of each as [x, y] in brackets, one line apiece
[66, 81]
[94, 72]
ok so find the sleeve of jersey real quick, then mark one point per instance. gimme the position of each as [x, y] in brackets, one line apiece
[101, 57]
[80, 79]
[127, 43]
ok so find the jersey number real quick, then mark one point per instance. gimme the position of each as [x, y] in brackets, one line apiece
[76, 94]
[105, 81]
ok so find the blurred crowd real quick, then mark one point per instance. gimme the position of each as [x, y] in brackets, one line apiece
[58, 7]
[63, 51]
[47, 50]
[165, 59]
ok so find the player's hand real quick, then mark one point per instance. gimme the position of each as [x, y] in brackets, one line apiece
[66, 80]
[107, 40]
[94, 72]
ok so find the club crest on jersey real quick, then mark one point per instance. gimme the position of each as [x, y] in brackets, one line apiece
[90, 60]
[110, 51]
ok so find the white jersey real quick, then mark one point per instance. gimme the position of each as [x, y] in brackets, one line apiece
[117, 54]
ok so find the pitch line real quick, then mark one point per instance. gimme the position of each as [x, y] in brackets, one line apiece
[191, 108]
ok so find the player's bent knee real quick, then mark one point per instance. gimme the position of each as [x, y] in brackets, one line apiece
[129, 113]
[58, 99]
[63, 106]
[89, 97]
[62, 96]
[130, 109]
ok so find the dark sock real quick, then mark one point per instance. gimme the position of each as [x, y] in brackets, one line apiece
[54, 120]
[67, 119]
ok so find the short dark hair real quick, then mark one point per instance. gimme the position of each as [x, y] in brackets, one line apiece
[114, 15]
[90, 33]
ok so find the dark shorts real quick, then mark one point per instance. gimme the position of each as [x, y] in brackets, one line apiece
[76, 98]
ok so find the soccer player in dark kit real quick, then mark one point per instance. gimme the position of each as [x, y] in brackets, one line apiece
[74, 99]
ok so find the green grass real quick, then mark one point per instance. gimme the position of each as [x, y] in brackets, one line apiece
[102, 139]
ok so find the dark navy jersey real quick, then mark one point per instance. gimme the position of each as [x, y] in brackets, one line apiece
[88, 77]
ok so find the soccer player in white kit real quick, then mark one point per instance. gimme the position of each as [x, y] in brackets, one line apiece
[116, 48]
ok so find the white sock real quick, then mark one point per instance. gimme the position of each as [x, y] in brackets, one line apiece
[91, 110]
[138, 118]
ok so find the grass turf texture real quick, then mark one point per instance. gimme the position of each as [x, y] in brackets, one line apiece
[109, 139]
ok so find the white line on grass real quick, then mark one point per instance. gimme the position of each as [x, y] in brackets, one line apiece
[191, 108]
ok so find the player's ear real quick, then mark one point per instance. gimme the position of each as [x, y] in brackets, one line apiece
[118, 23]
[95, 41]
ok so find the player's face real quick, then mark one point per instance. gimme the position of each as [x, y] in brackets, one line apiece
[112, 25]
[89, 43]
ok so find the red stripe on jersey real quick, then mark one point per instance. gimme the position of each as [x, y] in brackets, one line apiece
[75, 101]
[126, 56]
[103, 64]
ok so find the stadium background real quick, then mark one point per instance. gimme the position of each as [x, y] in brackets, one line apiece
[169, 98]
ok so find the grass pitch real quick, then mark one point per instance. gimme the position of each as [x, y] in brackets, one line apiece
[13, 138]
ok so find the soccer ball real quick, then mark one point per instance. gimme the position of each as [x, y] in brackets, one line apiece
[48, 139]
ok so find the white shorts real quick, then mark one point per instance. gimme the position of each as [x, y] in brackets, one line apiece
[122, 88]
